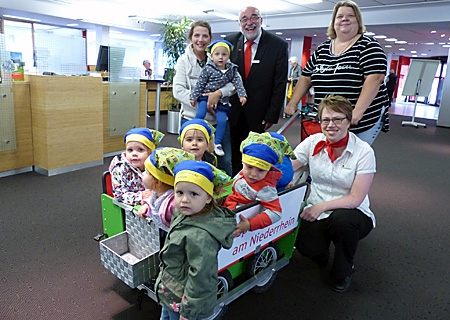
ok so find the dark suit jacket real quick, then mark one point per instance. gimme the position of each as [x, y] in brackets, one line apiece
[266, 82]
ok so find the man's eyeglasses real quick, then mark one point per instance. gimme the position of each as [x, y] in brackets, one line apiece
[253, 18]
[327, 121]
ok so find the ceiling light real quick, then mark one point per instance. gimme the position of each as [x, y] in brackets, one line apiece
[401, 49]
[224, 15]
[442, 35]
[429, 43]
[413, 51]
[279, 33]
[390, 39]
[146, 19]
[414, 55]
[223, 35]
[288, 39]
[423, 54]
[303, 1]
[388, 46]
[401, 42]
[20, 18]
[446, 46]
[380, 37]
[103, 23]
[72, 24]
[369, 33]
[433, 31]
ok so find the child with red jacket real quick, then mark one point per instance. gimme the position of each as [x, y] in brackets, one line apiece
[257, 181]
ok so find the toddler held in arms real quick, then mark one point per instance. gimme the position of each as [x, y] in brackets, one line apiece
[218, 72]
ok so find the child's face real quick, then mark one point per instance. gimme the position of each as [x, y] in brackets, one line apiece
[149, 181]
[220, 57]
[190, 198]
[195, 142]
[136, 153]
[253, 174]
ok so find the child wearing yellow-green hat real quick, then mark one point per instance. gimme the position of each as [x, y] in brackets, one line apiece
[187, 283]
[127, 168]
[257, 180]
[158, 177]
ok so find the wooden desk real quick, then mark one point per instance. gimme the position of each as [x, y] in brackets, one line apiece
[67, 123]
[21, 159]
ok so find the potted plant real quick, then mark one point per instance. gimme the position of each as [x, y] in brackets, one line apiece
[173, 38]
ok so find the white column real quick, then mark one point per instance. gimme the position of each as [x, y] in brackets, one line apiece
[444, 108]
[296, 49]
[102, 35]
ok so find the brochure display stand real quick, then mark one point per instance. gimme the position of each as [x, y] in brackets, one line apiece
[418, 83]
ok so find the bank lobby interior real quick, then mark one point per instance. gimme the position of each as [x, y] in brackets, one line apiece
[59, 133]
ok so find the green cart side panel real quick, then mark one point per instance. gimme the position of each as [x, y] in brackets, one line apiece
[287, 243]
[237, 269]
[113, 217]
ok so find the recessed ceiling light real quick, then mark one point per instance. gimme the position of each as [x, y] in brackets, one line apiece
[314, 35]
[442, 35]
[288, 39]
[279, 33]
[401, 42]
[388, 46]
[380, 37]
[72, 24]
[433, 31]
[20, 18]
[369, 33]
[441, 43]
[414, 55]
[414, 51]
[423, 54]
[223, 35]
[429, 43]
[401, 49]
[446, 46]
[390, 39]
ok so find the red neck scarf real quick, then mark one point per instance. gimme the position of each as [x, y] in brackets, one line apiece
[330, 145]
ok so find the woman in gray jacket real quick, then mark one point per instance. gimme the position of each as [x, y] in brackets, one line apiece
[187, 71]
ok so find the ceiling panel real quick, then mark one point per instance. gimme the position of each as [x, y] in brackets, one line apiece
[274, 12]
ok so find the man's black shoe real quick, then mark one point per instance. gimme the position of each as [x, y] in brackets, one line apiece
[342, 285]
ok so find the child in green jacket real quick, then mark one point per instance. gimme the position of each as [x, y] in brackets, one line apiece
[187, 283]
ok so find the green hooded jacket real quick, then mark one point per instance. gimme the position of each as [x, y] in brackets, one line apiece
[187, 281]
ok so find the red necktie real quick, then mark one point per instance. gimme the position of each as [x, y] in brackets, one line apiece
[248, 58]
[330, 145]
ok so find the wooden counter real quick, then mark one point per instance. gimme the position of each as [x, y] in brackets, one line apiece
[20, 159]
[67, 122]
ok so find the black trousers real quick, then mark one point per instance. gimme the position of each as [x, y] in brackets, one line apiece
[344, 227]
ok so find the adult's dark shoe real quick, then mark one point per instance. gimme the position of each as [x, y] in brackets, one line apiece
[342, 285]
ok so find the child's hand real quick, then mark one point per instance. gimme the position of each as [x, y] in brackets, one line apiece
[242, 226]
[142, 211]
[147, 193]
[192, 102]
[243, 100]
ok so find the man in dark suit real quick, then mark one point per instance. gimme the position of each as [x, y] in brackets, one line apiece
[265, 82]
